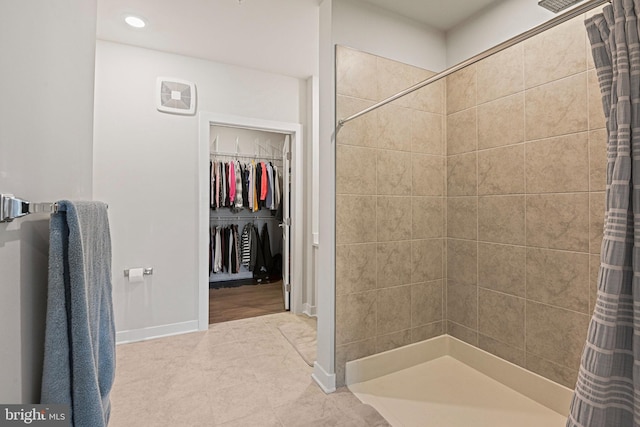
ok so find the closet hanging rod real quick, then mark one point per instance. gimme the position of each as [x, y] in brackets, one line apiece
[245, 156]
[570, 14]
[248, 218]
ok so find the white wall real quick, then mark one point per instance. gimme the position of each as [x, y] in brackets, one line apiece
[324, 368]
[145, 167]
[368, 28]
[311, 183]
[47, 65]
[493, 26]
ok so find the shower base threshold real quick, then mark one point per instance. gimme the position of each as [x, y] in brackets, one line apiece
[445, 382]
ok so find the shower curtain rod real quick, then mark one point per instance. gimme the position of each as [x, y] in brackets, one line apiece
[570, 14]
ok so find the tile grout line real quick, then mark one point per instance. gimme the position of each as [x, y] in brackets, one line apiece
[524, 167]
[444, 300]
[378, 152]
[587, 43]
[477, 137]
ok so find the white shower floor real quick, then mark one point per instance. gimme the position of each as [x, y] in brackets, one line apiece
[447, 393]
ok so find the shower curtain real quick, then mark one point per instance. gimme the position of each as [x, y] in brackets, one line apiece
[607, 392]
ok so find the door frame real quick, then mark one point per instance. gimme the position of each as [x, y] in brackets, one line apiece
[206, 120]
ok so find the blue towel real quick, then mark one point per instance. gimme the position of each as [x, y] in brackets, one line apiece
[79, 354]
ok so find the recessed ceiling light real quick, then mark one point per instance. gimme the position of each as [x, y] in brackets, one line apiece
[135, 22]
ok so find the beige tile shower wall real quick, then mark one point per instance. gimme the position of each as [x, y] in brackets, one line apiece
[390, 209]
[526, 178]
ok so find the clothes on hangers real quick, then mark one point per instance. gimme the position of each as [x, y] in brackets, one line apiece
[230, 250]
[225, 249]
[254, 185]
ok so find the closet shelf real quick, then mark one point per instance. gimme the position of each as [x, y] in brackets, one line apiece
[245, 156]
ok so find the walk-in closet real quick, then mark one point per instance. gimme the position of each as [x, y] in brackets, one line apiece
[248, 216]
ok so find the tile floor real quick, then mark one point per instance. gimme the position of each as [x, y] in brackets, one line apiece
[242, 373]
[447, 393]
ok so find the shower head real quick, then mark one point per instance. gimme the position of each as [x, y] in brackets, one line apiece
[556, 6]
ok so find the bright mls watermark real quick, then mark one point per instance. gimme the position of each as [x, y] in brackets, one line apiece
[35, 415]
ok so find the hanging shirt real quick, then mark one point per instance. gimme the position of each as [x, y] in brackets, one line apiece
[217, 200]
[237, 255]
[251, 188]
[246, 245]
[232, 250]
[212, 239]
[259, 183]
[212, 184]
[276, 178]
[258, 261]
[232, 183]
[217, 257]
[245, 186]
[269, 198]
[266, 249]
[223, 186]
[226, 239]
[253, 252]
[238, 176]
[227, 200]
[264, 182]
[255, 190]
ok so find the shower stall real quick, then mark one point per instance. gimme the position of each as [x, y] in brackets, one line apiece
[472, 206]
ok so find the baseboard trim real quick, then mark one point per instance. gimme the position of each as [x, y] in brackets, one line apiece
[309, 310]
[326, 381]
[542, 390]
[536, 387]
[134, 335]
[390, 361]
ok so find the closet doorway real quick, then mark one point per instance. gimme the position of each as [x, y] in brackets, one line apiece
[249, 235]
[249, 217]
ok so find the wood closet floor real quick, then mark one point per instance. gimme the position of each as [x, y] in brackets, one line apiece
[245, 301]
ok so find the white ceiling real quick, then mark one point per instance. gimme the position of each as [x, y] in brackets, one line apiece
[279, 36]
[440, 14]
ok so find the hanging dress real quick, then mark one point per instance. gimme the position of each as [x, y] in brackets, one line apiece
[266, 249]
